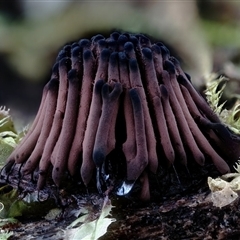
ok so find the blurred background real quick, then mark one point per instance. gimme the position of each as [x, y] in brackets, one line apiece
[204, 35]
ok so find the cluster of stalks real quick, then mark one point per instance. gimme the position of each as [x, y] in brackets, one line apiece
[122, 94]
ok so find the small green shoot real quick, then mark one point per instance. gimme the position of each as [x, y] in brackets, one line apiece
[213, 93]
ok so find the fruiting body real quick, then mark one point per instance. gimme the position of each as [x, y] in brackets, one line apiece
[121, 104]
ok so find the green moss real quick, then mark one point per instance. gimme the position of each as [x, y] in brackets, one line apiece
[220, 34]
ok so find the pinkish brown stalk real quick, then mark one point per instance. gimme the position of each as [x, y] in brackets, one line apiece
[85, 97]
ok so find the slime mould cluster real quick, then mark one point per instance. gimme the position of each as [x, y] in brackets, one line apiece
[120, 104]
